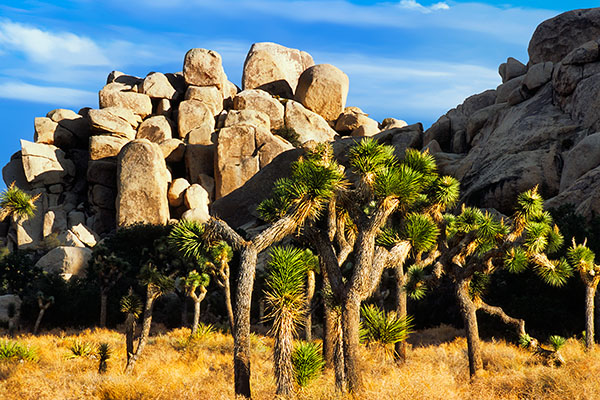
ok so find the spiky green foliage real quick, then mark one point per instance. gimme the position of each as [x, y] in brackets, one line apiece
[308, 362]
[557, 275]
[530, 205]
[150, 275]
[516, 260]
[525, 340]
[284, 293]
[188, 238]
[446, 191]
[15, 351]
[421, 231]
[368, 158]
[203, 330]
[388, 237]
[557, 342]
[80, 348]
[220, 252]
[401, 182]
[131, 304]
[478, 285]
[415, 284]
[104, 352]
[312, 181]
[195, 279]
[582, 258]
[14, 201]
[383, 328]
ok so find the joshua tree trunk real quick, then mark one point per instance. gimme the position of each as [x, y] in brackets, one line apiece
[227, 290]
[590, 291]
[350, 323]
[401, 311]
[129, 333]
[103, 306]
[241, 327]
[337, 337]
[43, 307]
[283, 357]
[329, 334]
[310, 292]
[151, 295]
[197, 300]
[469, 314]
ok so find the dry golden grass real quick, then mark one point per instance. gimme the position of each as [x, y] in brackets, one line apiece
[174, 368]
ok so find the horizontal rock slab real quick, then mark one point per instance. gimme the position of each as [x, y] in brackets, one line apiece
[44, 163]
[116, 95]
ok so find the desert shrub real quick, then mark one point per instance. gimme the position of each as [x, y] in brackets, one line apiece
[308, 362]
[79, 348]
[378, 327]
[15, 351]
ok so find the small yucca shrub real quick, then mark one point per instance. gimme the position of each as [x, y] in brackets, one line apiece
[81, 349]
[15, 351]
[104, 353]
[203, 330]
[308, 362]
[378, 327]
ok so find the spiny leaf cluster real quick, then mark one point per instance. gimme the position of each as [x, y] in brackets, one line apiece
[308, 362]
[383, 328]
[16, 202]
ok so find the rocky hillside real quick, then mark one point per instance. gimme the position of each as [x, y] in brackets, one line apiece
[191, 143]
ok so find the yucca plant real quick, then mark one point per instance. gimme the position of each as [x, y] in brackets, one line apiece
[104, 352]
[15, 351]
[285, 298]
[383, 329]
[308, 362]
[17, 203]
[80, 348]
[581, 259]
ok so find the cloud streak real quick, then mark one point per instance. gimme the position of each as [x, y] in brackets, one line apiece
[46, 94]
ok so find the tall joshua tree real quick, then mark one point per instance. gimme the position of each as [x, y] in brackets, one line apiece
[285, 297]
[131, 305]
[301, 197]
[378, 186]
[15, 202]
[475, 244]
[581, 259]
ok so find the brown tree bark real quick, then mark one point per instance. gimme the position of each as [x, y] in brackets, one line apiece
[103, 306]
[151, 295]
[129, 334]
[590, 291]
[197, 301]
[310, 292]
[284, 371]
[400, 348]
[350, 326]
[469, 314]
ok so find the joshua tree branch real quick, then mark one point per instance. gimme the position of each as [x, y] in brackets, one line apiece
[519, 324]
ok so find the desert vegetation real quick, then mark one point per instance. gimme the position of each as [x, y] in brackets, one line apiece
[356, 246]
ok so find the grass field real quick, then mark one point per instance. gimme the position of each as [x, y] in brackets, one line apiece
[173, 367]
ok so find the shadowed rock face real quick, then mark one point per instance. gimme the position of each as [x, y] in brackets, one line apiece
[553, 39]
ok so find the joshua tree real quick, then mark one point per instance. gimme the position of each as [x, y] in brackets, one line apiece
[189, 238]
[109, 269]
[103, 356]
[132, 306]
[301, 197]
[285, 297]
[475, 244]
[44, 302]
[15, 202]
[581, 259]
[308, 362]
[194, 286]
[378, 186]
[157, 283]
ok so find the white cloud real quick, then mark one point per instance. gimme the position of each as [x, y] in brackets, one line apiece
[413, 5]
[42, 47]
[47, 94]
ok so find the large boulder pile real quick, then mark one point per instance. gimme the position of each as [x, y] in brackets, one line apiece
[166, 146]
[540, 126]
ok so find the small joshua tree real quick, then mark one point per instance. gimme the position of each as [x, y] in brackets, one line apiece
[581, 258]
[131, 305]
[44, 302]
[383, 329]
[104, 353]
[156, 283]
[194, 285]
[308, 362]
[286, 300]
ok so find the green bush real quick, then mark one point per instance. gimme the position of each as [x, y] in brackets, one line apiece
[15, 351]
[308, 362]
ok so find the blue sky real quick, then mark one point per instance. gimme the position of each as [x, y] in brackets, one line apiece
[407, 59]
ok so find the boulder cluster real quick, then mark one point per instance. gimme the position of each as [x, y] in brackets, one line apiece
[166, 146]
[540, 126]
